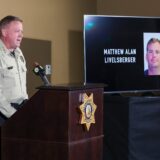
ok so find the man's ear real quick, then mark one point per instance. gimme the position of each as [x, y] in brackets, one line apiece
[4, 33]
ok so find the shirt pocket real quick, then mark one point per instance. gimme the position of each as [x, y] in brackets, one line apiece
[22, 67]
[8, 77]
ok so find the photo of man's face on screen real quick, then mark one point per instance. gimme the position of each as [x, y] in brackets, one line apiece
[151, 54]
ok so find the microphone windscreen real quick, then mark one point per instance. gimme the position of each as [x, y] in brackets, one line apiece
[36, 64]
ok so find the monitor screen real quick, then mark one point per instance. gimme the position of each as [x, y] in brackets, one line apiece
[122, 52]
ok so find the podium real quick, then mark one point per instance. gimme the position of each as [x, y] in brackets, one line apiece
[48, 126]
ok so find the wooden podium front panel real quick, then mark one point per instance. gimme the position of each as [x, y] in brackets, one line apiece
[47, 127]
[77, 131]
[86, 144]
[87, 150]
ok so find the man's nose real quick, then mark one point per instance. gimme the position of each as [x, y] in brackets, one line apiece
[154, 54]
[21, 34]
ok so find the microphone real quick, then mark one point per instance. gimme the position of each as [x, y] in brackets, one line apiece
[40, 71]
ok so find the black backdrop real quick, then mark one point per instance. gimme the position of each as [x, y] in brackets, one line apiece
[131, 128]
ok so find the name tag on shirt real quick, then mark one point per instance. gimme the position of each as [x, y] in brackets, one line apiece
[10, 67]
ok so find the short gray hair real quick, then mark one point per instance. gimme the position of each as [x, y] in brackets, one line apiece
[7, 20]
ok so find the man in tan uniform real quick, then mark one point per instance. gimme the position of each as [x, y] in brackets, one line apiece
[12, 67]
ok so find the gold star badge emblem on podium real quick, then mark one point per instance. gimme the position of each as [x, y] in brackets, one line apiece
[87, 109]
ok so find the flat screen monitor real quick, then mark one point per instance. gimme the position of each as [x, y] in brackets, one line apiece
[122, 52]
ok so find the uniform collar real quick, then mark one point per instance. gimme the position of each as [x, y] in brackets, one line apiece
[7, 51]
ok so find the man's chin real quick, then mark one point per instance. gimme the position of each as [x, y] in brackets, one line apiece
[17, 45]
[155, 66]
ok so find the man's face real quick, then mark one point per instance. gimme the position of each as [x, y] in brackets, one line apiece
[13, 34]
[153, 55]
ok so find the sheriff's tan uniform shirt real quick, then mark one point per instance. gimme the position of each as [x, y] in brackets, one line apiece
[12, 79]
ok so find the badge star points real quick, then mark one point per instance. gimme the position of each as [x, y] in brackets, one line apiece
[87, 109]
